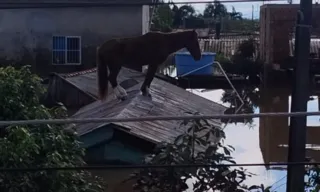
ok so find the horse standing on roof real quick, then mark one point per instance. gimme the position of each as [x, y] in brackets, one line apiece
[150, 49]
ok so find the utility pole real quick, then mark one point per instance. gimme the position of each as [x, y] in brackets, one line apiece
[252, 17]
[252, 13]
[300, 94]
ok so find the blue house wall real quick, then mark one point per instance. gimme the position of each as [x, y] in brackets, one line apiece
[109, 145]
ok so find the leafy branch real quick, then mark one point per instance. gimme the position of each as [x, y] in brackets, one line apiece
[200, 143]
[37, 145]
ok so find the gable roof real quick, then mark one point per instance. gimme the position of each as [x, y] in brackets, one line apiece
[167, 99]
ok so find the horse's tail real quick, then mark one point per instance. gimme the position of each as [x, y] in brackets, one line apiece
[102, 76]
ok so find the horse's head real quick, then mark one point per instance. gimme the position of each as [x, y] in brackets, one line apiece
[192, 45]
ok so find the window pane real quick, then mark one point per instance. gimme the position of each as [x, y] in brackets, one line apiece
[73, 43]
[73, 56]
[58, 57]
[59, 42]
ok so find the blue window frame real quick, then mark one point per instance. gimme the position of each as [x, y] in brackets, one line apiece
[66, 50]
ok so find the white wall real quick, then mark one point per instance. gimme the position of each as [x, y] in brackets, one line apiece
[145, 18]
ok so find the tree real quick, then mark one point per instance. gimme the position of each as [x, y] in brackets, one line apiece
[234, 15]
[313, 179]
[37, 146]
[163, 18]
[186, 149]
[215, 10]
[181, 14]
[176, 16]
[186, 11]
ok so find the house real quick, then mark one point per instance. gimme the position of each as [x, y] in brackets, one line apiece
[125, 142]
[61, 36]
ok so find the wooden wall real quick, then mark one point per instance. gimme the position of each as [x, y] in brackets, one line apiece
[59, 90]
[277, 21]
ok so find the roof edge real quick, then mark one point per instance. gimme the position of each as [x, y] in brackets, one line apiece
[75, 86]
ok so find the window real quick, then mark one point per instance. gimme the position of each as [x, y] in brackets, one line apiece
[66, 50]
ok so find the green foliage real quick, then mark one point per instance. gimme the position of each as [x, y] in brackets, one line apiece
[168, 16]
[246, 63]
[201, 143]
[223, 60]
[37, 145]
[182, 15]
[215, 10]
[248, 95]
[313, 182]
[234, 15]
[163, 18]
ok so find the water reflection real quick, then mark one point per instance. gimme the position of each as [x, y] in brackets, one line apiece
[264, 140]
[267, 141]
[274, 131]
[245, 138]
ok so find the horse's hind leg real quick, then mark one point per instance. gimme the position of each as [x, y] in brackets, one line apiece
[119, 91]
[152, 69]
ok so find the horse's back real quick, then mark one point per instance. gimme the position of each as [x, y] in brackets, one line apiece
[139, 50]
[109, 46]
[142, 41]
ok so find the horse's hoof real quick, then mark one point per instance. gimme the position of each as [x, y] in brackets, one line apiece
[120, 93]
[146, 94]
[122, 98]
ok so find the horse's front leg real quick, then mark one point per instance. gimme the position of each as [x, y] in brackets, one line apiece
[148, 79]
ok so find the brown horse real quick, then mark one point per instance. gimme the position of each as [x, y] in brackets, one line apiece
[150, 49]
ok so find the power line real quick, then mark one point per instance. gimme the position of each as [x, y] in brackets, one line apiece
[279, 181]
[135, 3]
[152, 118]
[17, 5]
[279, 186]
[105, 167]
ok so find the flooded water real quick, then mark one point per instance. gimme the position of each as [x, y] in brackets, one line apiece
[266, 139]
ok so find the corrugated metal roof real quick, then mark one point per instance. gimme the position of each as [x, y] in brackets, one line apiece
[226, 46]
[314, 47]
[167, 99]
